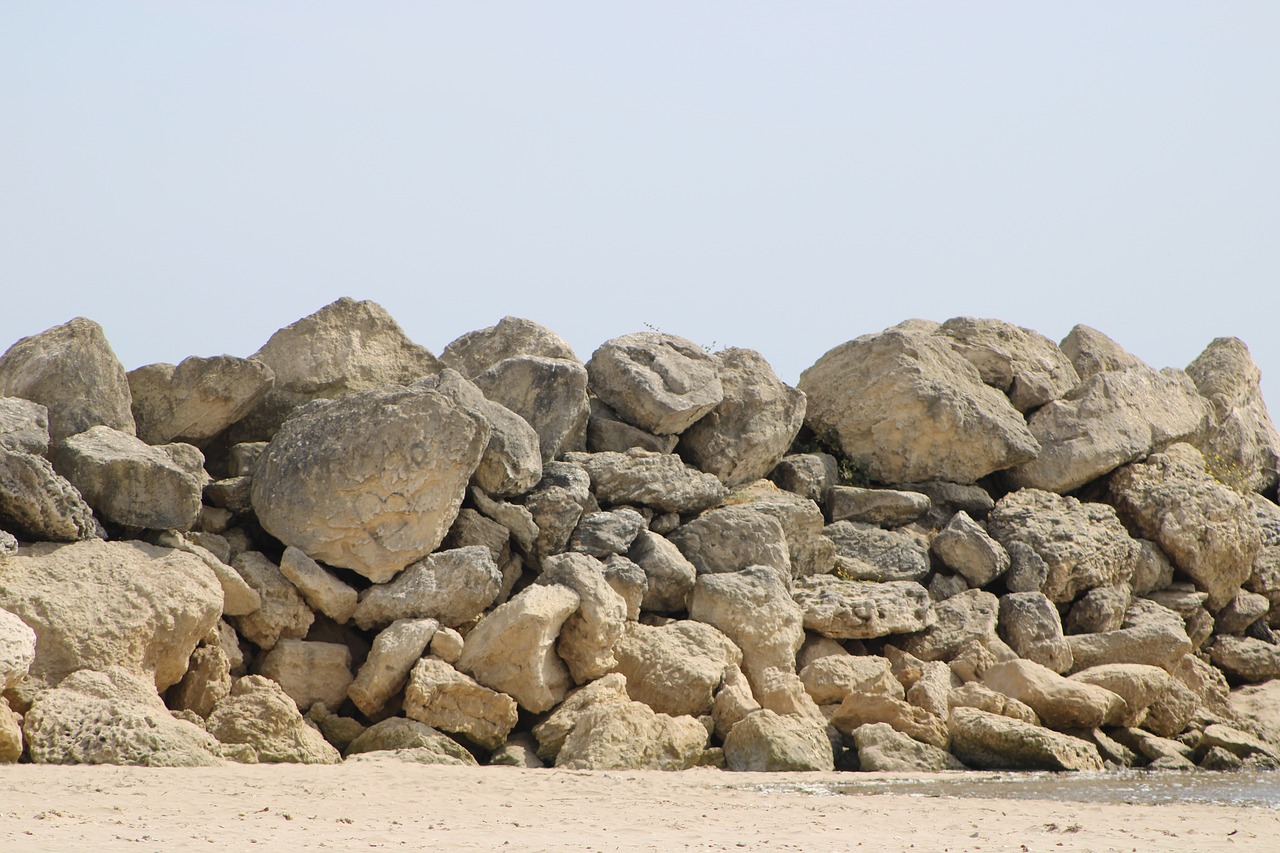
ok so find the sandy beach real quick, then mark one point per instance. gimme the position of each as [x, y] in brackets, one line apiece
[393, 805]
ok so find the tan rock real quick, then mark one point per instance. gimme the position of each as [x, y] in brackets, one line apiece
[850, 609]
[195, 400]
[17, 649]
[409, 740]
[282, 613]
[589, 634]
[550, 394]
[443, 698]
[753, 609]
[963, 618]
[1060, 702]
[661, 383]
[733, 702]
[259, 714]
[830, 679]
[1024, 364]
[965, 548]
[1138, 685]
[858, 709]
[207, 681]
[39, 503]
[677, 668]
[883, 749]
[551, 732]
[732, 538]
[309, 672]
[10, 734]
[395, 650]
[1243, 446]
[322, 591]
[670, 576]
[784, 693]
[643, 478]
[765, 741]
[475, 352]
[993, 742]
[631, 736]
[453, 587]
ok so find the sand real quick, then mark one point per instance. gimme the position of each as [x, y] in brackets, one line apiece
[394, 805]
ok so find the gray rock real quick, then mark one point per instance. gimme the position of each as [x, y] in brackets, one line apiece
[964, 547]
[765, 741]
[811, 552]
[884, 750]
[548, 393]
[322, 591]
[661, 383]
[970, 615]
[1030, 624]
[1092, 352]
[518, 520]
[261, 716]
[606, 432]
[849, 609]
[453, 587]
[370, 482]
[947, 499]
[993, 742]
[601, 534]
[39, 503]
[282, 611]
[675, 669]
[1243, 447]
[753, 608]
[1151, 634]
[629, 581]
[670, 576]
[732, 538]
[475, 352]
[661, 481]
[395, 650]
[72, 372]
[865, 552]
[1245, 658]
[1024, 364]
[197, 399]
[810, 475]
[1099, 610]
[589, 634]
[882, 507]
[908, 409]
[24, 426]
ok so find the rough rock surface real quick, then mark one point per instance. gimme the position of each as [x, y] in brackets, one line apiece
[661, 383]
[260, 715]
[550, 394]
[309, 672]
[965, 548]
[883, 749]
[1092, 352]
[631, 736]
[322, 591]
[1243, 444]
[1062, 703]
[848, 609]
[830, 679]
[38, 502]
[17, 649]
[1030, 624]
[410, 740]
[859, 709]
[669, 574]
[773, 742]
[282, 613]
[986, 741]
[865, 552]
[1024, 364]
[589, 634]
[395, 651]
[475, 352]
[881, 507]
[675, 669]
[1150, 634]
[657, 480]
[452, 586]
[445, 699]
[754, 610]
[731, 538]
[962, 618]
[551, 732]
[196, 399]
[24, 426]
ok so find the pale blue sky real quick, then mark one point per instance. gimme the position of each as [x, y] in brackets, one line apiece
[783, 176]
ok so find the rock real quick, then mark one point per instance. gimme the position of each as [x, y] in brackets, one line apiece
[1030, 624]
[993, 742]
[238, 598]
[411, 740]
[443, 698]
[309, 672]
[206, 682]
[550, 394]
[446, 644]
[259, 714]
[551, 732]
[1246, 659]
[765, 741]
[472, 528]
[24, 426]
[1241, 612]
[1163, 753]
[197, 399]
[1108, 421]
[1243, 447]
[846, 609]
[677, 668]
[282, 613]
[661, 383]
[72, 372]
[602, 534]
[17, 649]
[10, 734]
[475, 352]
[370, 482]
[1154, 571]
[1151, 635]
[512, 649]
[1092, 352]
[606, 432]
[344, 348]
[732, 538]
[1236, 742]
[1138, 685]
[932, 690]
[395, 650]
[809, 475]
[970, 615]
[830, 679]
[947, 499]
[38, 503]
[322, 591]
[112, 717]
[1256, 706]
[512, 459]
[518, 520]
[1206, 683]
[669, 574]
[747, 433]
[589, 634]
[733, 702]
[451, 586]
[1208, 530]
[753, 609]
[1062, 703]
[556, 512]
[974, 655]
[784, 693]
[338, 730]
[1024, 364]
[811, 552]
[631, 736]
[975, 695]
[232, 494]
[882, 749]
[660, 481]
[965, 548]
[629, 581]
[1082, 545]
[127, 481]
[881, 507]
[518, 751]
[908, 409]
[97, 604]
[1099, 610]
[865, 552]
[858, 709]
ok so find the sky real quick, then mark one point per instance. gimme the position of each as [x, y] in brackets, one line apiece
[779, 176]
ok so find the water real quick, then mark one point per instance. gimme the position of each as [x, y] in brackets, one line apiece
[1259, 789]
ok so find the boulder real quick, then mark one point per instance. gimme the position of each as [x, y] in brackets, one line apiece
[72, 372]
[1257, 706]
[809, 475]
[1030, 624]
[322, 591]
[754, 610]
[260, 715]
[631, 736]
[1061, 703]
[1092, 352]
[733, 702]
[38, 503]
[670, 576]
[445, 699]
[551, 732]
[309, 672]
[395, 650]
[932, 690]
[1151, 634]
[661, 383]
[627, 580]
[977, 695]
[97, 604]
[830, 679]
[986, 741]
[883, 749]
[1245, 658]
[453, 587]
[765, 741]
[17, 649]
[603, 534]
[657, 480]
[676, 668]
[732, 538]
[550, 394]
[1243, 447]
[475, 352]
[517, 519]
[24, 426]
[1099, 610]
[784, 693]
[446, 644]
[747, 433]
[960, 619]
[11, 745]
[858, 709]
[964, 547]
[206, 682]
[1024, 364]
[197, 399]
[607, 432]
[589, 634]
[370, 482]
[881, 507]
[811, 552]
[1241, 612]
[410, 740]
[112, 717]
[865, 552]
[907, 408]
[282, 613]
[1139, 685]
[850, 609]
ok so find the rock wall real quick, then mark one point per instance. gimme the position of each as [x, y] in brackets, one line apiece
[953, 545]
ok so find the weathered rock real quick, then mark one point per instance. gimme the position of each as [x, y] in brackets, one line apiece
[282, 613]
[1060, 702]
[677, 668]
[974, 655]
[197, 399]
[1099, 610]
[309, 672]
[661, 383]
[451, 586]
[732, 538]
[518, 520]
[754, 610]
[747, 433]
[322, 591]
[858, 709]
[1243, 446]
[344, 348]
[784, 693]
[112, 717]
[908, 409]
[1082, 545]
[809, 475]
[1140, 686]
[1235, 741]
[1108, 421]
[670, 575]
[932, 690]
[72, 372]
[964, 547]
[206, 682]
[338, 730]
[1245, 658]
[977, 695]
[847, 609]
[947, 499]
[830, 679]
[472, 528]
[962, 618]
[395, 650]
[589, 634]
[733, 702]
[1030, 624]
[550, 394]
[233, 494]
[555, 511]
[657, 480]
[259, 714]
[765, 741]
[1257, 707]
[1092, 352]
[370, 482]
[24, 426]
[811, 552]
[445, 699]
[10, 734]
[99, 604]
[410, 740]
[631, 736]
[551, 732]
[993, 742]
[1151, 635]
[601, 534]
[17, 649]
[865, 552]
[883, 749]
[1241, 612]
[881, 507]
[1208, 530]
[512, 649]
[606, 432]
[39, 503]
[1024, 364]
[475, 352]
[629, 581]
[127, 481]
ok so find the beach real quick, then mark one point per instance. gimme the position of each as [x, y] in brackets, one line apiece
[390, 804]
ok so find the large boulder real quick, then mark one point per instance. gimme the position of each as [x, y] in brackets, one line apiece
[370, 482]
[445, 699]
[1139, 685]
[260, 715]
[1243, 446]
[550, 394]
[669, 574]
[881, 748]
[551, 732]
[37, 502]
[1150, 634]
[753, 609]
[452, 586]
[113, 717]
[802, 522]
[24, 426]
[1207, 529]
[1246, 658]
[1060, 702]
[632, 736]
[398, 738]
[907, 408]
[987, 741]
[197, 399]
[1091, 352]
[765, 741]
[97, 604]
[959, 620]
[1032, 627]
[71, 371]
[475, 352]
[659, 480]
[830, 679]
[1024, 364]
[850, 609]
[661, 383]
[747, 433]
[859, 709]
[676, 668]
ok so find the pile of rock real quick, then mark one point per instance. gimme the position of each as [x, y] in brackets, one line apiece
[955, 545]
